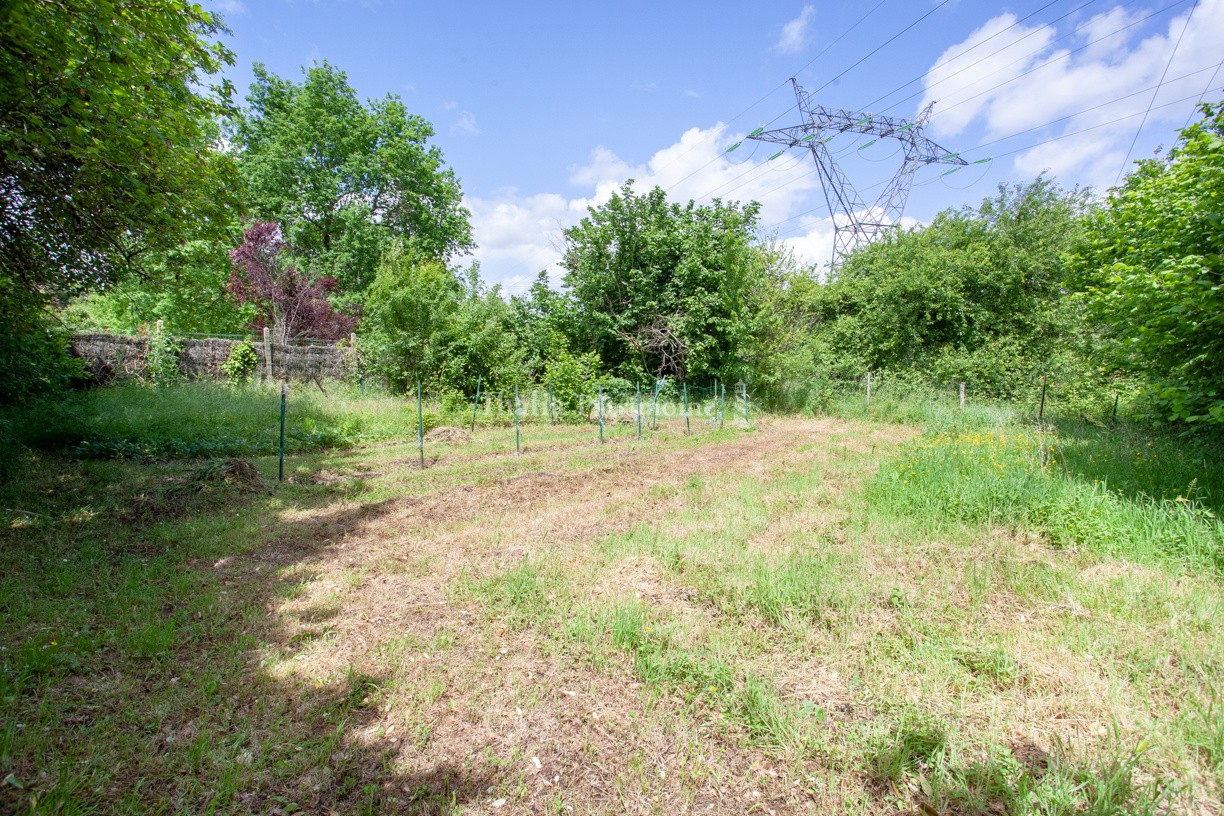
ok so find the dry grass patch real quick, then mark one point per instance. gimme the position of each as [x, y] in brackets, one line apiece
[685, 624]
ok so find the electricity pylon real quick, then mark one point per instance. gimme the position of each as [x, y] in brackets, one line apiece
[855, 223]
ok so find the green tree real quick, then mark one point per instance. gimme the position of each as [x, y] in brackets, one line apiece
[346, 180]
[659, 287]
[107, 121]
[183, 286]
[977, 295]
[785, 349]
[543, 320]
[407, 308]
[425, 322]
[106, 127]
[1153, 273]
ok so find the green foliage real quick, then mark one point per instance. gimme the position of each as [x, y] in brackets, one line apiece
[574, 379]
[11, 451]
[34, 354]
[425, 323]
[787, 362]
[242, 365]
[660, 287]
[162, 359]
[408, 306]
[183, 286]
[1153, 274]
[541, 319]
[975, 296]
[85, 87]
[345, 180]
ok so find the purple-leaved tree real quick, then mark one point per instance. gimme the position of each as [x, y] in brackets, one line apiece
[290, 303]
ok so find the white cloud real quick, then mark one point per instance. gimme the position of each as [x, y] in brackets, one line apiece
[519, 235]
[230, 6]
[794, 34]
[1032, 80]
[466, 123]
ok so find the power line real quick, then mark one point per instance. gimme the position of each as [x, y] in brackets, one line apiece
[1085, 130]
[998, 33]
[1155, 93]
[822, 52]
[1081, 112]
[1059, 58]
[880, 47]
[1207, 88]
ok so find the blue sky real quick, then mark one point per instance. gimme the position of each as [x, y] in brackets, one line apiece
[543, 109]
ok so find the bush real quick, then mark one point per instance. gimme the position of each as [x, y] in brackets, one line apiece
[242, 365]
[162, 359]
[35, 360]
[574, 381]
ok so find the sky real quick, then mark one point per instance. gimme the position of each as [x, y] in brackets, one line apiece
[544, 109]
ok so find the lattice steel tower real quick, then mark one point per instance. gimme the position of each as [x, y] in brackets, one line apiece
[855, 223]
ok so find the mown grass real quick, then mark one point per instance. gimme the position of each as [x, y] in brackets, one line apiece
[205, 419]
[965, 619]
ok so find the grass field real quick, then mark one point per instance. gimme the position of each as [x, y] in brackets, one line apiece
[810, 615]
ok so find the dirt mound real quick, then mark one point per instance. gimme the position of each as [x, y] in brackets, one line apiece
[233, 472]
[448, 435]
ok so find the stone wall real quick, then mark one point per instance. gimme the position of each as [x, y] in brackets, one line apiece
[115, 357]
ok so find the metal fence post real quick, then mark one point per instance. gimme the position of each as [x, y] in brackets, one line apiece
[639, 410]
[475, 403]
[687, 428]
[280, 471]
[420, 427]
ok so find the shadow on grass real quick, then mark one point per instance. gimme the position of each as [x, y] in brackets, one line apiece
[133, 672]
[1139, 463]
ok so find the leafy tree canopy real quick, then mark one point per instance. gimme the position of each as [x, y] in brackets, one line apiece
[1153, 273]
[345, 179]
[425, 322]
[288, 301]
[975, 295]
[106, 120]
[660, 286]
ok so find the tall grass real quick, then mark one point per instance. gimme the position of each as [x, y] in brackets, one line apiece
[1019, 476]
[207, 419]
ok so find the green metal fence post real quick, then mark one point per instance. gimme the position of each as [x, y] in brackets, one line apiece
[475, 403]
[601, 414]
[517, 448]
[722, 405]
[746, 423]
[420, 427]
[654, 407]
[552, 418]
[687, 428]
[280, 471]
[639, 409]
